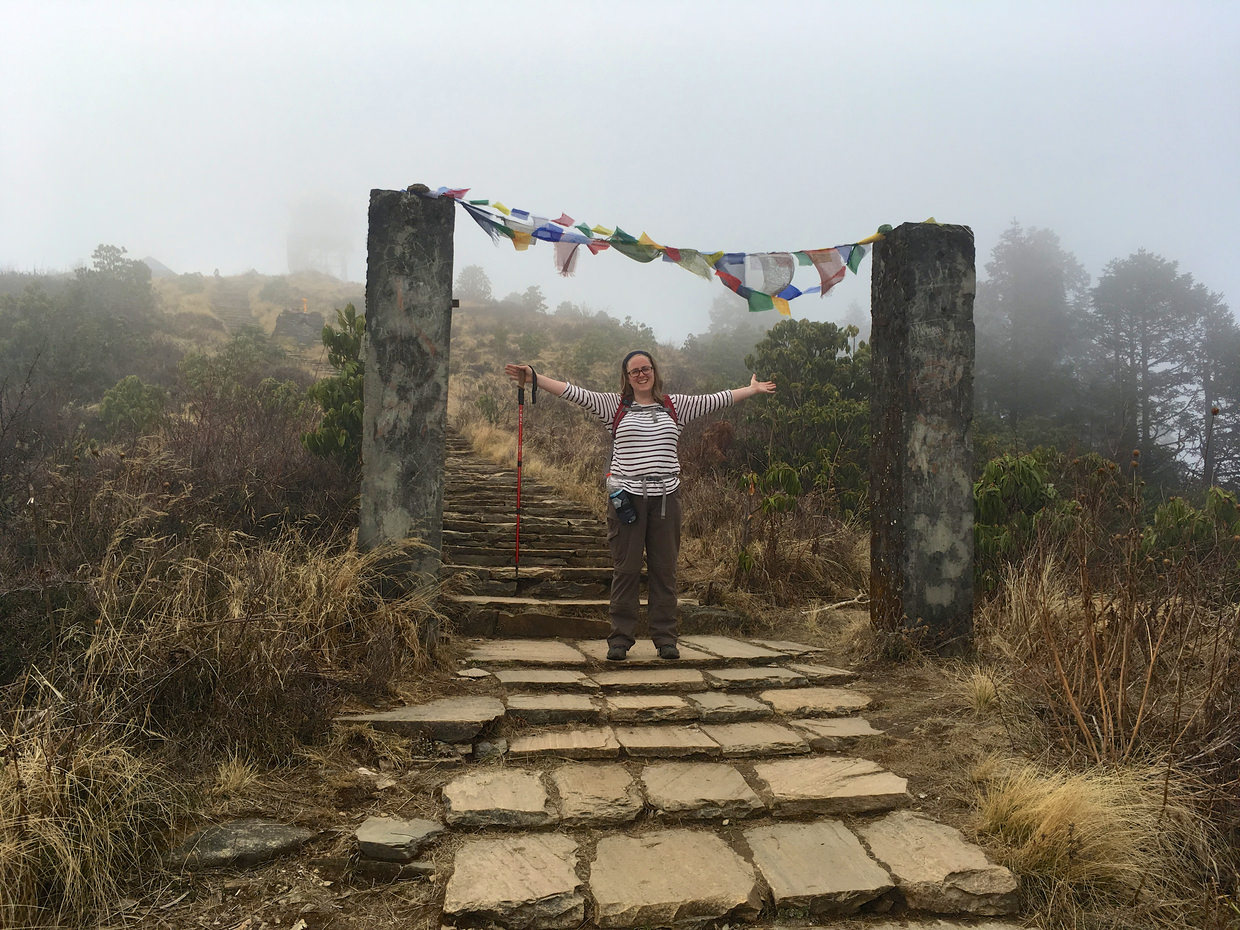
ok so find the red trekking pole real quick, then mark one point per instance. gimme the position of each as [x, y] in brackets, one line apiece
[516, 565]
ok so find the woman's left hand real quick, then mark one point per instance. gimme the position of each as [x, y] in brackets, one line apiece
[761, 387]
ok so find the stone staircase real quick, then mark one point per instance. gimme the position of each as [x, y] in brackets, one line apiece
[729, 786]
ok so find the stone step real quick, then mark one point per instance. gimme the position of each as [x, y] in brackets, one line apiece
[687, 875]
[509, 795]
[693, 649]
[535, 557]
[571, 542]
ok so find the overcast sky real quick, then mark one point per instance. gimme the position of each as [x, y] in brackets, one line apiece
[191, 132]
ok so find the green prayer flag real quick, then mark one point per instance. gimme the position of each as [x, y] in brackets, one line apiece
[634, 250]
[586, 230]
[854, 258]
[480, 203]
[507, 231]
[759, 301]
[621, 236]
[803, 258]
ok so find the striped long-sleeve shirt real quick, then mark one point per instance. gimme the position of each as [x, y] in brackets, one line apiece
[644, 457]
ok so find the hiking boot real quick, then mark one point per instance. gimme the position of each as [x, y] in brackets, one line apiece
[669, 651]
[617, 654]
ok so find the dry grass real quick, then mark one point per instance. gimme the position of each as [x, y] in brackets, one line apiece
[215, 645]
[81, 816]
[1117, 841]
[237, 646]
[234, 776]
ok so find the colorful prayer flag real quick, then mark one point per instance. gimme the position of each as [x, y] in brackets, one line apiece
[762, 279]
[566, 258]
[830, 265]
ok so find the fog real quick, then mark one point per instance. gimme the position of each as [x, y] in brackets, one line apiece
[203, 134]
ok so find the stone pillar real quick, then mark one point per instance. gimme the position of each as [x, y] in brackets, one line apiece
[408, 324]
[921, 466]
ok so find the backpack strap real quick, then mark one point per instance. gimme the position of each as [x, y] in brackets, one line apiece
[671, 408]
[626, 403]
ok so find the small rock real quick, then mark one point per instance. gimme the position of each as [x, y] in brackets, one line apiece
[379, 870]
[395, 840]
[490, 750]
[242, 843]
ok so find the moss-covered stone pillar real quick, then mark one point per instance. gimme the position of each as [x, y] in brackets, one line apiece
[921, 486]
[408, 324]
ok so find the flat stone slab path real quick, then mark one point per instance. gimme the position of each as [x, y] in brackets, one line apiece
[646, 793]
[731, 787]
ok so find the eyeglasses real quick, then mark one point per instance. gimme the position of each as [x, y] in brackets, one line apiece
[644, 370]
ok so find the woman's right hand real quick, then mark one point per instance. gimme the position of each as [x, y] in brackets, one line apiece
[521, 374]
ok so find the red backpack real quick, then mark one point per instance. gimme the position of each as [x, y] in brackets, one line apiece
[627, 402]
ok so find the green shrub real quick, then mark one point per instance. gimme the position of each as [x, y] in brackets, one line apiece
[132, 407]
[339, 433]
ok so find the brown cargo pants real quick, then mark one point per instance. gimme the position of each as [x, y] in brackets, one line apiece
[657, 533]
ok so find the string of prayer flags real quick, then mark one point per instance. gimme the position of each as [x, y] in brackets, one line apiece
[763, 279]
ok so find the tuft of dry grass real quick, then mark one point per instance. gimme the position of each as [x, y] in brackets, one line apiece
[981, 691]
[81, 817]
[234, 776]
[1107, 840]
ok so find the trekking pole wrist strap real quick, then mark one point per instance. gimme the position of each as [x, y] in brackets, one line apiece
[534, 389]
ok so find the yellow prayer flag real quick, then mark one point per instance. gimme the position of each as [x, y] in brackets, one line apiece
[601, 230]
[646, 240]
[782, 306]
[521, 240]
[714, 257]
[501, 208]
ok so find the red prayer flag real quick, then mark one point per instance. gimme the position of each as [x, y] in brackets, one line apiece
[564, 220]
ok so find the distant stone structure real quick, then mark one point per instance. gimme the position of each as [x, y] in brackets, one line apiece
[921, 414]
[320, 237]
[298, 327]
[408, 323]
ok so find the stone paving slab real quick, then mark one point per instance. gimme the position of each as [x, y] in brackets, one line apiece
[554, 708]
[242, 843]
[395, 840]
[755, 738]
[728, 648]
[786, 647]
[562, 679]
[648, 708]
[830, 785]
[823, 674]
[643, 653]
[670, 877]
[666, 741]
[721, 707]
[524, 652]
[525, 882]
[928, 925]
[820, 866]
[498, 797]
[597, 794]
[937, 869]
[648, 679]
[753, 678]
[452, 720]
[816, 702]
[700, 790]
[586, 743]
[830, 733]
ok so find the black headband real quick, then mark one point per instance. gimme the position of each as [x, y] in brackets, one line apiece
[625, 363]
